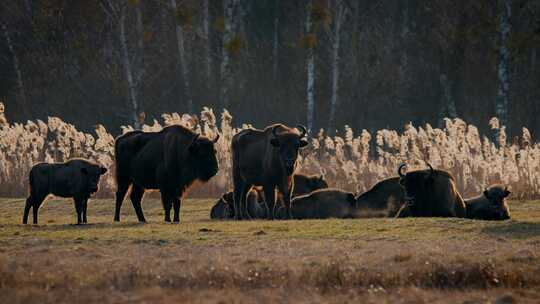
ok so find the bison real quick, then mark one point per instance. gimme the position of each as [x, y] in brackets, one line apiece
[321, 204]
[383, 199]
[256, 205]
[490, 205]
[76, 178]
[430, 193]
[169, 160]
[265, 158]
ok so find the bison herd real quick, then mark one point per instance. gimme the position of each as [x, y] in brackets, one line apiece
[262, 161]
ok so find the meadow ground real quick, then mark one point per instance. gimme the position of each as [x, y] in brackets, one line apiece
[369, 260]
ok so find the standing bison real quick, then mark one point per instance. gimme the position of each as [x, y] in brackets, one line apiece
[77, 178]
[430, 193]
[169, 160]
[265, 158]
[490, 205]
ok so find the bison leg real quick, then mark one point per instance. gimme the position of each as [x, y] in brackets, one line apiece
[136, 195]
[35, 207]
[240, 190]
[27, 207]
[286, 192]
[270, 197]
[167, 205]
[176, 204]
[84, 207]
[78, 208]
[123, 187]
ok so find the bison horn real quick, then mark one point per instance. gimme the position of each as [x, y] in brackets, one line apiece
[217, 138]
[430, 167]
[399, 170]
[274, 129]
[302, 130]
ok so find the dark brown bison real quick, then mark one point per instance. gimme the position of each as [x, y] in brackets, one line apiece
[383, 199]
[169, 160]
[321, 204]
[490, 205]
[265, 158]
[77, 178]
[430, 193]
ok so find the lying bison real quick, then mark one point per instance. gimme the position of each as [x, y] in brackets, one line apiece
[430, 193]
[383, 199]
[265, 158]
[169, 160]
[256, 205]
[321, 204]
[77, 178]
[490, 205]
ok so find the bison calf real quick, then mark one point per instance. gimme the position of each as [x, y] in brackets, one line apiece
[321, 204]
[77, 178]
[490, 205]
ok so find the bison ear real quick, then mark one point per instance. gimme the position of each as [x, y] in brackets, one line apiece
[486, 193]
[303, 143]
[102, 170]
[274, 142]
[84, 171]
[507, 193]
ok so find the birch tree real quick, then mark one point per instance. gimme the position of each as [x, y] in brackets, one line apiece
[206, 35]
[17, 68]
[310, 64]
[275, 43]
[228, 33]
[501, 104]
[182, 54]
[339, 11]
[132, 87]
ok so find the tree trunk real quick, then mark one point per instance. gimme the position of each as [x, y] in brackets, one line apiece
[501, 105]
[132, 89]
[182, 55]
[206, 34]
[226, 75]
[310, 89]
[276, 41]
[16, 67]
[140, 43]
[334, 101]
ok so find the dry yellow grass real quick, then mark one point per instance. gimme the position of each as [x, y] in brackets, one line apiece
[368, 260]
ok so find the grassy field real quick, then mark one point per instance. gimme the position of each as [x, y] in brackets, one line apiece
[370, 260]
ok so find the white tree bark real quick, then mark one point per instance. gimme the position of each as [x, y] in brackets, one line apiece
[449, 104]
[275, 47]
[310, 89]
[16, 67]
[226, 74]
[182, 56]
[339, 11]
[501, 105]
[132, 89]
[140, 44]
[206, 34]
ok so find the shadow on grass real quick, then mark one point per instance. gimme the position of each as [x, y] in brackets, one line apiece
[515, 230]
[60, 227]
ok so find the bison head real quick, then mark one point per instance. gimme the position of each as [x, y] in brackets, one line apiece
[496, 207]
[90, 177]
[317, 182]
[203, 157]
[417, 185]
[288, 143]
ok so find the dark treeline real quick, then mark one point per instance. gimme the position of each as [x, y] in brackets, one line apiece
[325, 63]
